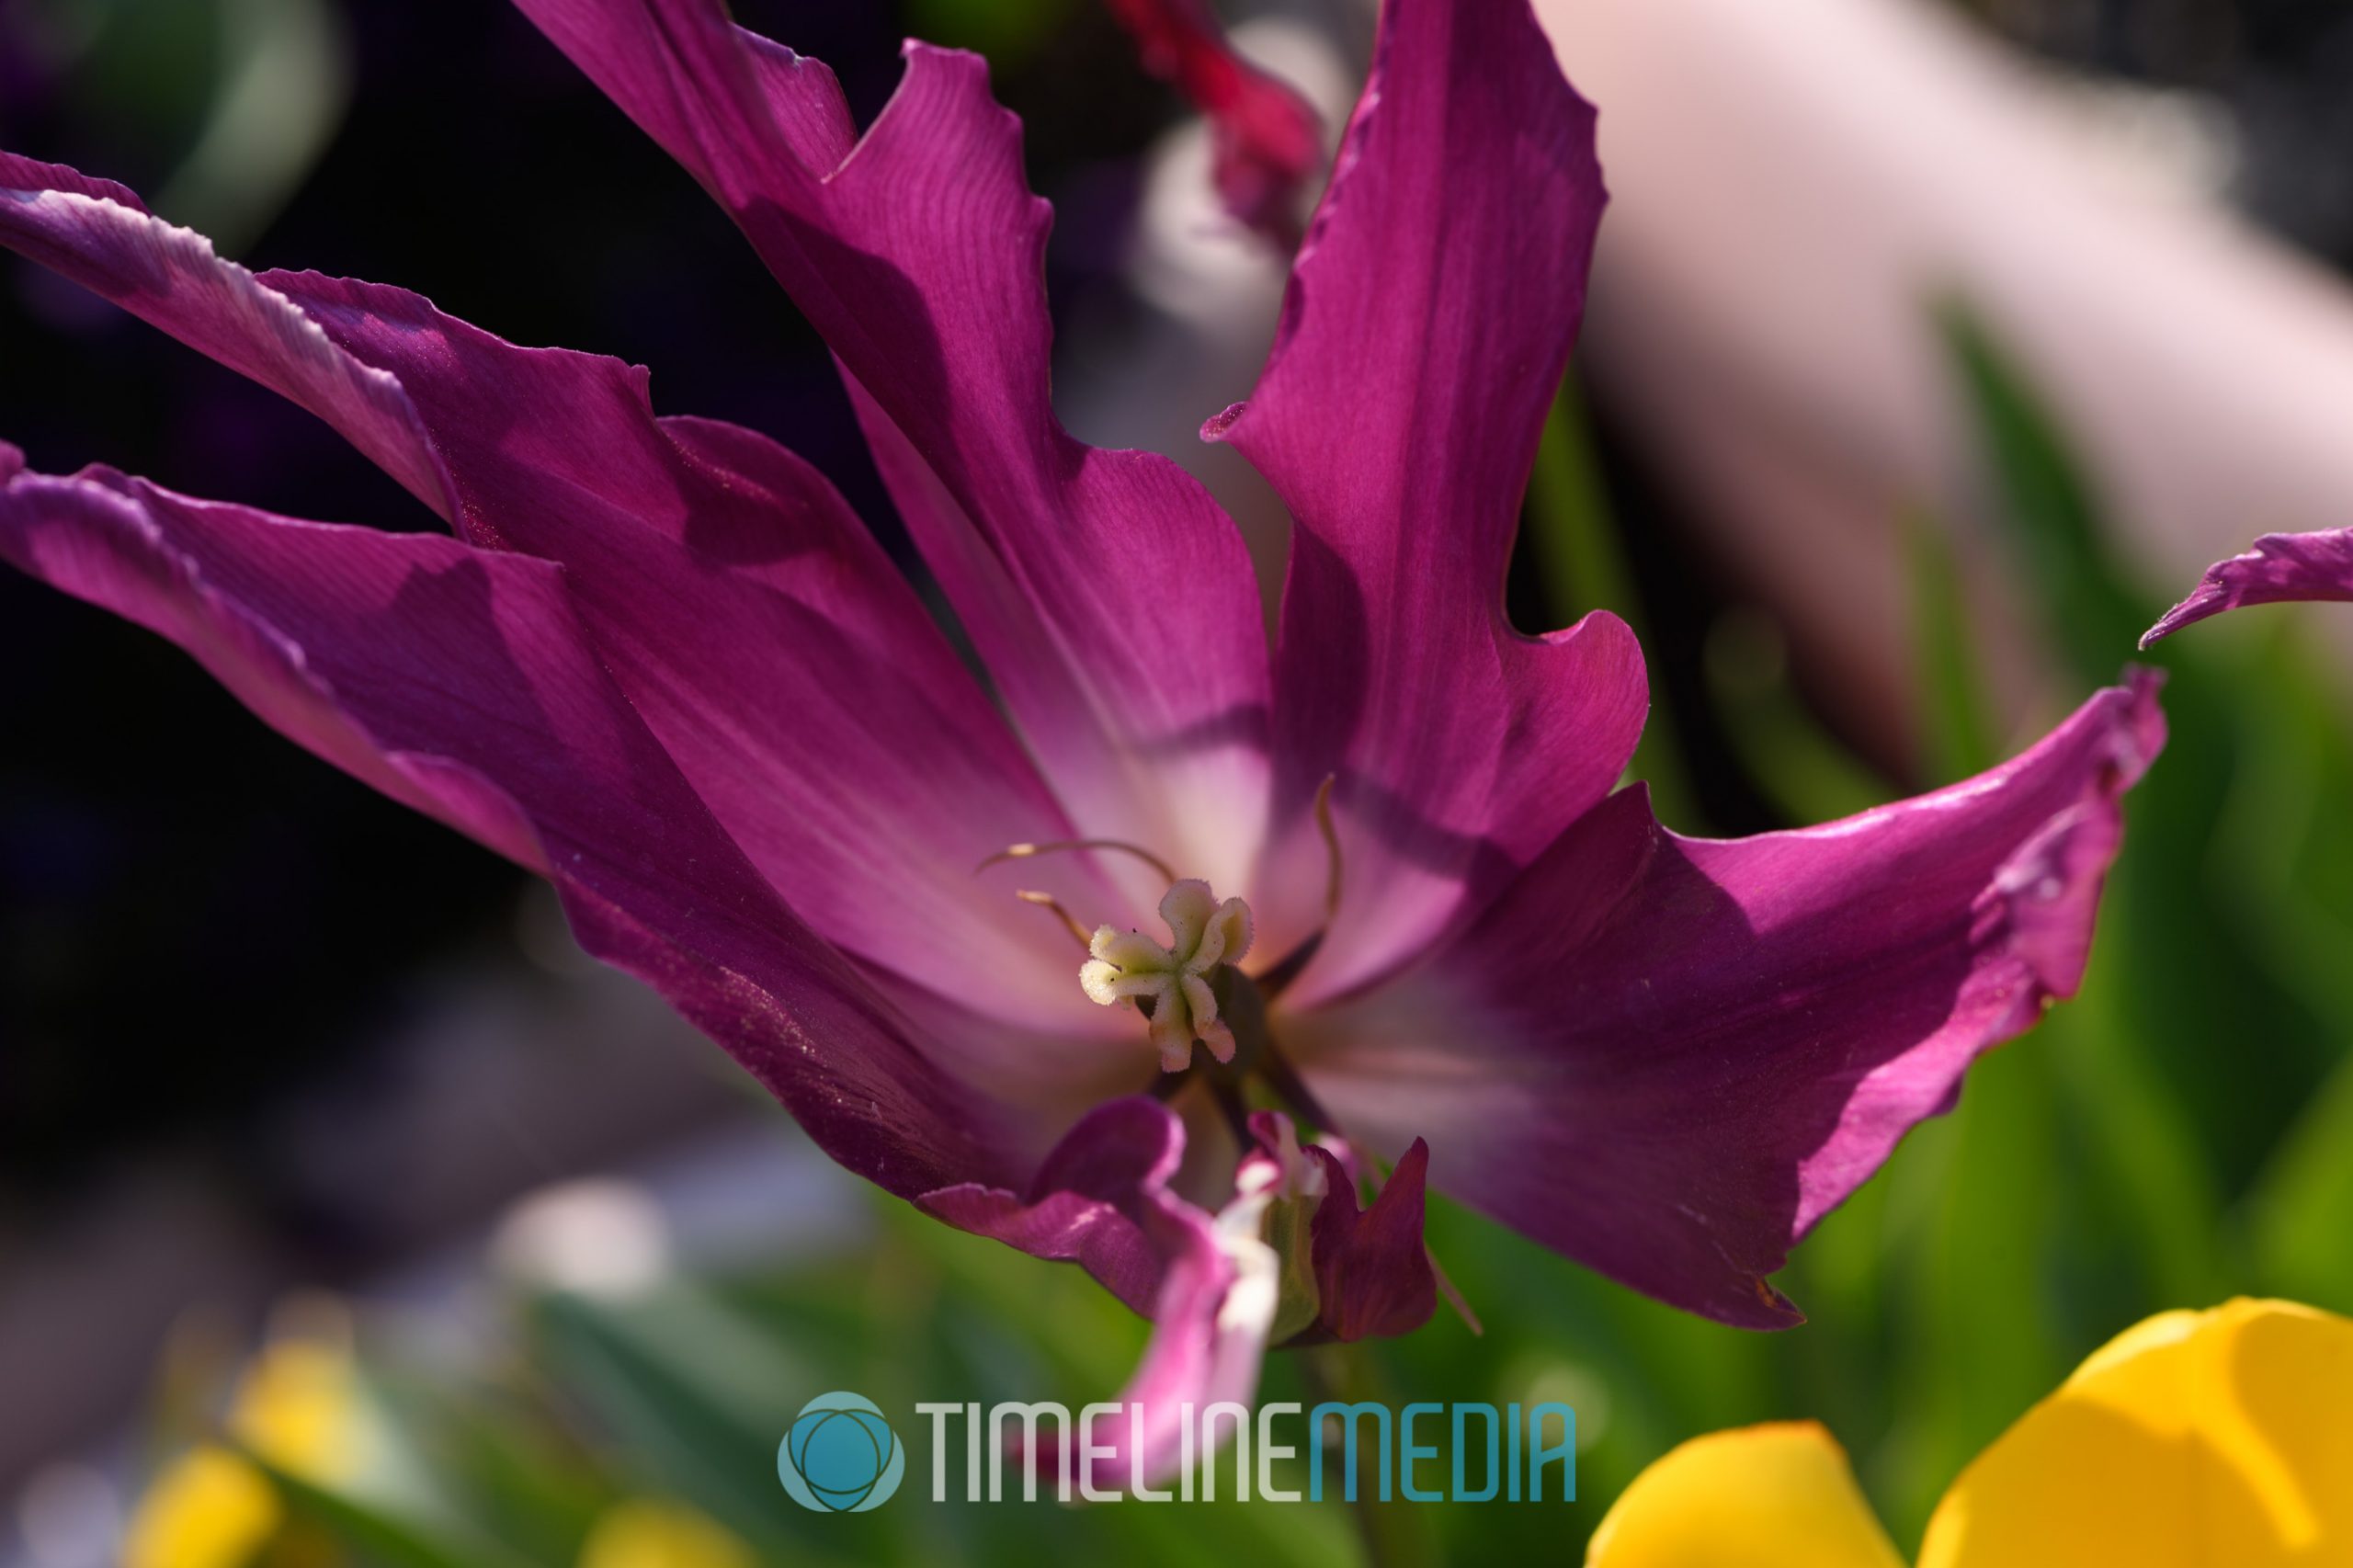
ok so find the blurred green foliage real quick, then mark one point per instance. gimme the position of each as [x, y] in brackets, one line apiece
[1008, 31]
[237, 98]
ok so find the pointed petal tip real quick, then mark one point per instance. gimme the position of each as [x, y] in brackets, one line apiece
[2278, 569]
[914, 49]
[2141, 729]
[1372, 1264]
[1784, 1314]
[1762, 1308]
[96, 234]
[2208, 599]
[1215, 427]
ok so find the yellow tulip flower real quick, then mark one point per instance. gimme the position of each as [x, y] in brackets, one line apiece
[2216, 1440]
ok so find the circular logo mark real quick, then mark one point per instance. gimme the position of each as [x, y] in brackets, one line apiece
[840, 1457]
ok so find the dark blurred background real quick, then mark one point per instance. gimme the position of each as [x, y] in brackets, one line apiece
[195, 918]
[2281, 70]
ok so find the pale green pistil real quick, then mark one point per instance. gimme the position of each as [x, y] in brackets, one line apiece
[1129, 967]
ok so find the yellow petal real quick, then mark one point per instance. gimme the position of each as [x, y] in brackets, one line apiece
[1774, 1497]
[646, 1534]
[208, 1509]
[2219, 1439]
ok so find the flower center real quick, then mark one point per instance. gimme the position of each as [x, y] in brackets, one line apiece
[1176, 987]
[1171, 985]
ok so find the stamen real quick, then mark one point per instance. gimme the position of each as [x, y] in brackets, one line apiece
[1025, 851]
[1288, 968]
[1330, 832]
[1049, 902]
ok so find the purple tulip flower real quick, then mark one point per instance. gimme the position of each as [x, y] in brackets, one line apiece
[1381, 876]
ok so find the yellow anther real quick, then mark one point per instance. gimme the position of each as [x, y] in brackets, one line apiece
[1119, 846]
[1054, 905]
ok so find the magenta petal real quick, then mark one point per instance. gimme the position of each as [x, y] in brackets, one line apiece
[98, 234]
[1669, 1057]
[1209, 1341]
[1265, 140]
[1101, 1198]
[735, 596]
[1088, 1202]
[2281, 568]
[463, 684]
[1110, 597]
[1372, 1268]
[768, 642]
[1426, 329]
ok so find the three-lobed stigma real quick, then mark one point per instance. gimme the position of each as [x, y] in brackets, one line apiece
[1129, 968]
